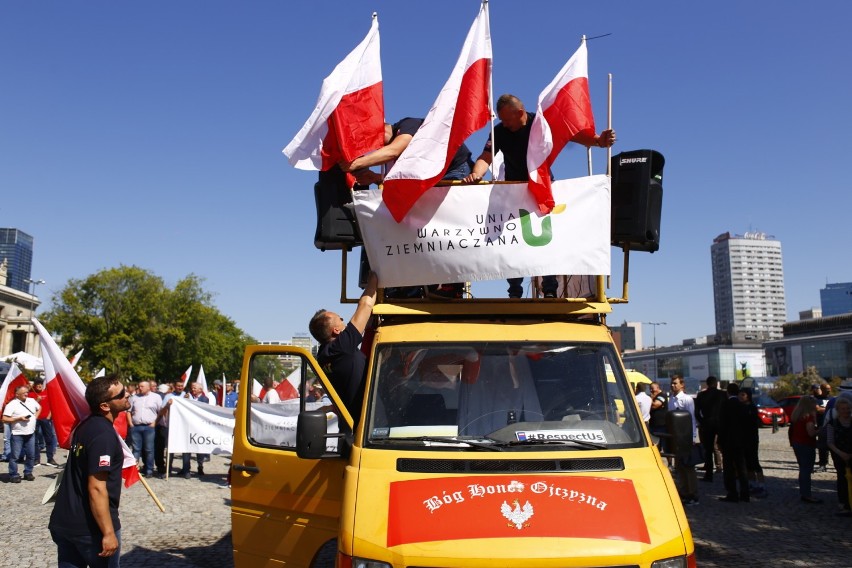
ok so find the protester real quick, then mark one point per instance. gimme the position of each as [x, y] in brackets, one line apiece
[84, 523]
[802, 435]
[21, 414]
[195, 393]
[644, 402]
[230, 396]
[144, 407]
[44, 424]
[512, 136]
[732, 423]
[344, 363]
[708, 406]
[751, 438]
[679, 400]
[839, 437]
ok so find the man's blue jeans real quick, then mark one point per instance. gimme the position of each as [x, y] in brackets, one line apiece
[143, 444]
[7, 442]
[44, 426]
[82, 551]
[27, 444]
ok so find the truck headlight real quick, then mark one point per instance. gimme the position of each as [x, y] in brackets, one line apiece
[678, 562]
[366, 563]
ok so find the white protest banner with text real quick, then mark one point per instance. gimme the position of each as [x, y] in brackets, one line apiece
[275, 424]
[198, 427]
[488, 232]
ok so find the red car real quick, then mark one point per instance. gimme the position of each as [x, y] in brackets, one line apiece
[788, 404]
[767, 408]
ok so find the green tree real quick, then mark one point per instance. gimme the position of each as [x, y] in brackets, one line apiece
[795, 384]
[130, 322]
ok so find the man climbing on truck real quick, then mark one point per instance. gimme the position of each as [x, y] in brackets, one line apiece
[339, 353]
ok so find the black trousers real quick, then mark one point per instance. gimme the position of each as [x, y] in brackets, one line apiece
[161, 440]
[734, 461]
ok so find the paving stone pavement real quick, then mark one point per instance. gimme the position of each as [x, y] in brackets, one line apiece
[195, 530]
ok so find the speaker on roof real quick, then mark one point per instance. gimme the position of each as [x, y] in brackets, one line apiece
[637, 199]
[336, 225]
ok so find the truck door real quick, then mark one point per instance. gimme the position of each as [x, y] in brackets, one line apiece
[284, 509]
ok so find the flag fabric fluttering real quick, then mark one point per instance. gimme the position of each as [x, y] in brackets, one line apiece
[76, 358]
[100, 373]
[14, 379]
[564, 114]
[349, 117]
[201, 379]
[462, 108]
[289, 387]
[256, 388]
[185, 377]
[68, 400]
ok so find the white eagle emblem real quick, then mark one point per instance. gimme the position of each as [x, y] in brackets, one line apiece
[517, 516]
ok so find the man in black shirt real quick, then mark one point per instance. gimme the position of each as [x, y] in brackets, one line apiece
[708, 407]
[84, 523]
[512, 137]
[339, 353]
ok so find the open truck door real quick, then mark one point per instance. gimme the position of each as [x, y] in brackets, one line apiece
[284, 519]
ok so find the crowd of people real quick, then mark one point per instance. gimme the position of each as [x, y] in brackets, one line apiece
[29, 431]
[727, 425]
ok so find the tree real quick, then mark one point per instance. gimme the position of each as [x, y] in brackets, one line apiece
[796, 384]
[130, 322]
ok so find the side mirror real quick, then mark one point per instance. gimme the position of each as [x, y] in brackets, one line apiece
[679, 427]
[311, 431]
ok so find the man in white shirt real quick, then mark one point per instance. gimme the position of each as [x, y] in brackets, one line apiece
[144, 407]
[644, 402]
[687, 477]
[21, 413]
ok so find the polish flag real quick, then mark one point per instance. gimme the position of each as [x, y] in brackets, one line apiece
[460, 110]
[289, 387]
[201, 379]
[185, 376]
[257, 388]
[564, 114]
[349, 118]
[68, 400]
[14, 379]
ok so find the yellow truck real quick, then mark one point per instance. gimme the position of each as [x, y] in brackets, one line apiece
[493, 433]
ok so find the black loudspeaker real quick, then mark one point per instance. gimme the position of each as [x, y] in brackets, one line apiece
[637, 199]
[336, 225]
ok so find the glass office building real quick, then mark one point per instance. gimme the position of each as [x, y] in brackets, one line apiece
[17, 248]
[836, 299]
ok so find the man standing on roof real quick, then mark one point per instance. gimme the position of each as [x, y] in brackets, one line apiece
[397, 138]
[512, 137]
[338, 354]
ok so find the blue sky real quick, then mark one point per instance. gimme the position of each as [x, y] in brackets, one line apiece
[150, 134]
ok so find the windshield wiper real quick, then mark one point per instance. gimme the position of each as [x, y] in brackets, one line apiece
[445, 441]
[585, 444]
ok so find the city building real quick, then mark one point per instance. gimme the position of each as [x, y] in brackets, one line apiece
[824, 343]
[810, 314]
[836, 299]
[629, 334]
[302, 340]
[16, 247]
[16, 311]
[748, 288]
[696, 362]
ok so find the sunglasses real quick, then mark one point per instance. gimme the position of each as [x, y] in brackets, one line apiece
[119, 396]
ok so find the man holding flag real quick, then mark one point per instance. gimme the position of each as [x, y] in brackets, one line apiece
[84, 523]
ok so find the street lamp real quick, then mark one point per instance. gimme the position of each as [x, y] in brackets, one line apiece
[33, 283]
[655, 324]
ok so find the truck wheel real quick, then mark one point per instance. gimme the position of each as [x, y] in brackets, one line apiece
[327, 555]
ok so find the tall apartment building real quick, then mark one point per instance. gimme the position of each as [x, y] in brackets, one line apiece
[748, 287]
[836, 299]
[16, 247]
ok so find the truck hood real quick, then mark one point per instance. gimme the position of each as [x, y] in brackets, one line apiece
[480, 515]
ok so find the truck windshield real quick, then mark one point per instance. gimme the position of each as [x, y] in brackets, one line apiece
[509, 395]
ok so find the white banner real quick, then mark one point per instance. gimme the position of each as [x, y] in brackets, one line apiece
[198, 427]
[275, 424]
[488, 232]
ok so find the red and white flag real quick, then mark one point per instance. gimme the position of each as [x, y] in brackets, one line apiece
[349, 118]
[68, 400]
[461, 109]
[185, 376]
[201, 379]
[564, 114]
[14, 379]
[289, 387]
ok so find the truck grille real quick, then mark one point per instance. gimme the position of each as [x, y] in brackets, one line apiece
[417, 465]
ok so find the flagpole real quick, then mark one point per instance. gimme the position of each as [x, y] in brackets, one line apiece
[589, 149]
[151, 493]
[609, 121]
[490, 93]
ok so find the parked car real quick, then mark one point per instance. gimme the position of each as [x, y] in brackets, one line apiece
[767, 408]
[788, 404]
